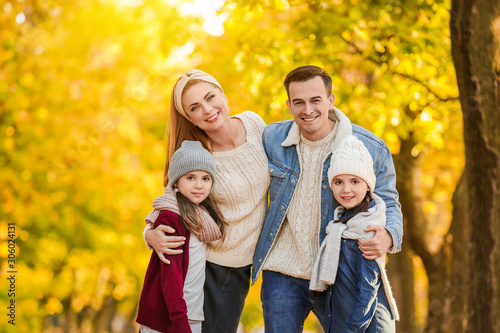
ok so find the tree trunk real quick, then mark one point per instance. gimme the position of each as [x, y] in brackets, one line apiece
[400, 272]
[456, 251]
[411, 198]
[69, 315]
[105, 315]
[475, 37]
[400, 266]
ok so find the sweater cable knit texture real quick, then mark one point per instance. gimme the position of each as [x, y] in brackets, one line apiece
[241, 190]
[297, 245]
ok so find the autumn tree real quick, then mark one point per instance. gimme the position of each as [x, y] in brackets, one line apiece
[392, 73]
[475, 31]
[84, 93]
[84, 86]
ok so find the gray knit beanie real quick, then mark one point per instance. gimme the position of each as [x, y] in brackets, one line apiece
[351, 157]
[191, 156]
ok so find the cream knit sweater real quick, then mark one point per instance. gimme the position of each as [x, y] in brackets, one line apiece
[297, 245]
[241, 190]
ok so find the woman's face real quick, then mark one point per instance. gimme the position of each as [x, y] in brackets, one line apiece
[206, 106]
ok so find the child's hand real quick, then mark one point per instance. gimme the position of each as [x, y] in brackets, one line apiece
[378, 245]
[164, 244]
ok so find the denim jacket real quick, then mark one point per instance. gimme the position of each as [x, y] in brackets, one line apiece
[280, 143]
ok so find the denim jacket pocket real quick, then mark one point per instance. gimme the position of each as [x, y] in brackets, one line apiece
[277, 174]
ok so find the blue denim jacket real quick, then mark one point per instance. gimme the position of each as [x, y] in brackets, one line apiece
[284, 169]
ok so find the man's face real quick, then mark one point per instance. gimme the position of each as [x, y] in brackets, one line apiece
[309, 104]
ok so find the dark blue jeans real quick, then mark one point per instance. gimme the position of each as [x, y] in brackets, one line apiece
[226, 289]
[356, 302]
[287, 301]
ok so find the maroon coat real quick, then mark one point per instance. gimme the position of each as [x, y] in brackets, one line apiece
[162, 306]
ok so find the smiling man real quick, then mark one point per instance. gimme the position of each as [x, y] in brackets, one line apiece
[301, 204]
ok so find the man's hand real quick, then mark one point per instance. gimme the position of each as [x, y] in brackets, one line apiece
[163, 244]
[377, 246]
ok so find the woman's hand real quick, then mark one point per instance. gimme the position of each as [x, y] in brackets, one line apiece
[164, 244]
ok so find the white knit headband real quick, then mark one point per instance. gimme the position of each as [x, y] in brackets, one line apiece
[193, 74]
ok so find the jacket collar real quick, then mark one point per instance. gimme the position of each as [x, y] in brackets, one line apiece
[341, 120]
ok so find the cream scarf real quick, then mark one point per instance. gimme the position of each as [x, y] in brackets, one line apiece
[168, 201]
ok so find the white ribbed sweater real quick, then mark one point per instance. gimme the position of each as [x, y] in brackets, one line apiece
[241, 188]
[297, 245]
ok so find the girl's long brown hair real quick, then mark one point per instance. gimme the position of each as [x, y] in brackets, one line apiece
[191, 219]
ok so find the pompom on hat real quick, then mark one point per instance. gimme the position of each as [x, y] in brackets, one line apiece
[351, 157]
[191, 156]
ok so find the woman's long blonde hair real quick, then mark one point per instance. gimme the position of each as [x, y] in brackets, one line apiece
[179, 129]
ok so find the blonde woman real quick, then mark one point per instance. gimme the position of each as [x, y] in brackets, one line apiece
[199, 111]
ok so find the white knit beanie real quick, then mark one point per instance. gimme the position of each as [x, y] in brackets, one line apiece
[191, 156]
[351, 157]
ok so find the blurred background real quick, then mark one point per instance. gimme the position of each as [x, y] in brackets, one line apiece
[84, 94]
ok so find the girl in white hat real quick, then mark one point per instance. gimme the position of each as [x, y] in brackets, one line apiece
[359, 297]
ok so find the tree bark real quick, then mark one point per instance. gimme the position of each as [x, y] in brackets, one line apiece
[475, 37]
[411, 198]
[456, 251]
[400, 266]
[105, 315]
[400, 272]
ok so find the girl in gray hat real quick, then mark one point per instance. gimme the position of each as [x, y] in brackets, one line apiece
[199, 111]
[172, 296]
